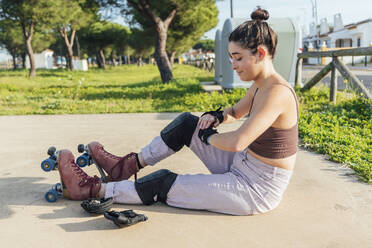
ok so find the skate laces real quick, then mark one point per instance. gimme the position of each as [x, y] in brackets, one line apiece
[107, 154]
[126, 157]
[84, 177]
[89, 181]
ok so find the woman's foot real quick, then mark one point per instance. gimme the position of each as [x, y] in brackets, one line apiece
[118, 168]
[77, 185]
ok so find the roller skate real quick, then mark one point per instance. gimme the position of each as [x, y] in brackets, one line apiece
[117, 168]
[75, 183]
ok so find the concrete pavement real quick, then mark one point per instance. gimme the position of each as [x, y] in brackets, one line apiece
[324, 206]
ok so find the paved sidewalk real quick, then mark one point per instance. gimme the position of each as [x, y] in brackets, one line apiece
[324, 206]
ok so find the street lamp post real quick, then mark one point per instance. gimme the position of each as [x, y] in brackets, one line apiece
[315, 16]
[231, 8]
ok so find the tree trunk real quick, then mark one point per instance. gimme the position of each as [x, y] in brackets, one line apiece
[120, 60]
[128, 58]
[30, 54]
[161, 28]
[98, 60]
[69, 45]
[70, 56]
[14, 58]
[173, 55]
[102, 58]
[23, 60]
[161, 56]
[140, 62]
[113, 59]
[27, 34]
[78, 46]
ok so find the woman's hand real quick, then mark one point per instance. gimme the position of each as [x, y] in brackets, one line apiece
[207, 120]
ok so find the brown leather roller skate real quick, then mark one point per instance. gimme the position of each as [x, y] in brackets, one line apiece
[117, 168]
[76, 184]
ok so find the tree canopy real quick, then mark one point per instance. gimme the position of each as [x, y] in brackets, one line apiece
[205, 45]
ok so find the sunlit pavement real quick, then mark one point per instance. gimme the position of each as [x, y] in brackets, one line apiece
[324, 206]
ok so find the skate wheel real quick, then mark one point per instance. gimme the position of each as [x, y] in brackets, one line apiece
[47, 165]
[51, 150]
[58, 188]
[82, 160]
[81, 148]
[51, 195]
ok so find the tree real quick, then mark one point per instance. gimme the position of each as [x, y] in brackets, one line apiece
[29, 14]
[142, 42]
[205, 45]
[189, 26]
[121, 45]
[71, 16]
[101, 36]
[11, 38]
[160, 15]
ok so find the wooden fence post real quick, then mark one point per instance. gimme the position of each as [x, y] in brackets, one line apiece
[298, 76]
[333, 88]
[345, 72]
[317, 77]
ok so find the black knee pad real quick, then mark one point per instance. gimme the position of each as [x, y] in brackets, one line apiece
[157, 184]
[179, 132]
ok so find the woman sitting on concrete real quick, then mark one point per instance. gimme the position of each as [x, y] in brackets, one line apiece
[250, 167]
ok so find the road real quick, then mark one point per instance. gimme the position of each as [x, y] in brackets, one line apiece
[365, 75]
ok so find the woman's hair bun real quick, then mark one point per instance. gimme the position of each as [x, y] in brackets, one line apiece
[260, 14]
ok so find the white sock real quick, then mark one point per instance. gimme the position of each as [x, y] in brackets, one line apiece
[102, 191]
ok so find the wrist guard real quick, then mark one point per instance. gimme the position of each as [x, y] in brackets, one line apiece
[204, 134]
[97, 206]
[125, 218]
[218, 114]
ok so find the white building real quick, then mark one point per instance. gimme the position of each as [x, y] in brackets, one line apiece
[352, 35]
[42, 60]
[337, 36]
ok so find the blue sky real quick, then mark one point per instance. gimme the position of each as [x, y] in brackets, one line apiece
[300, 10]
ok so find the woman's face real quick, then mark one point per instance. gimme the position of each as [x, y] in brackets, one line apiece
[244, 62]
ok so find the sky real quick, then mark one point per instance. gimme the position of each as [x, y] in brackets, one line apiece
[301, 10]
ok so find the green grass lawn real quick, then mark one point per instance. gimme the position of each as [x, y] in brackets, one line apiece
[116, 90]
[342, 131]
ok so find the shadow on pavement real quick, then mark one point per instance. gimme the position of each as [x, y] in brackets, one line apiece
[21, 192]
[101, 223]
[89, 225]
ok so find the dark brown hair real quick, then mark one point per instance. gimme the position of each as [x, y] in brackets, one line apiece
[251, 34]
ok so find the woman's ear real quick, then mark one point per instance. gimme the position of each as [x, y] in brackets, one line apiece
[261, 53]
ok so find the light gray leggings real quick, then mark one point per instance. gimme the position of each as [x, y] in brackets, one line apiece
[239, 184]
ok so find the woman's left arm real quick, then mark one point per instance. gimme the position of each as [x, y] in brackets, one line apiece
[266, 110]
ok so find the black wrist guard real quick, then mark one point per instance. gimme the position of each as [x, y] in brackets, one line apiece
[205, 133]
[125, 218]
[217, 114]
[97, 206]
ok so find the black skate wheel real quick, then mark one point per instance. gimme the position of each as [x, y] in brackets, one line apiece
[81, 148]
[51, 150]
